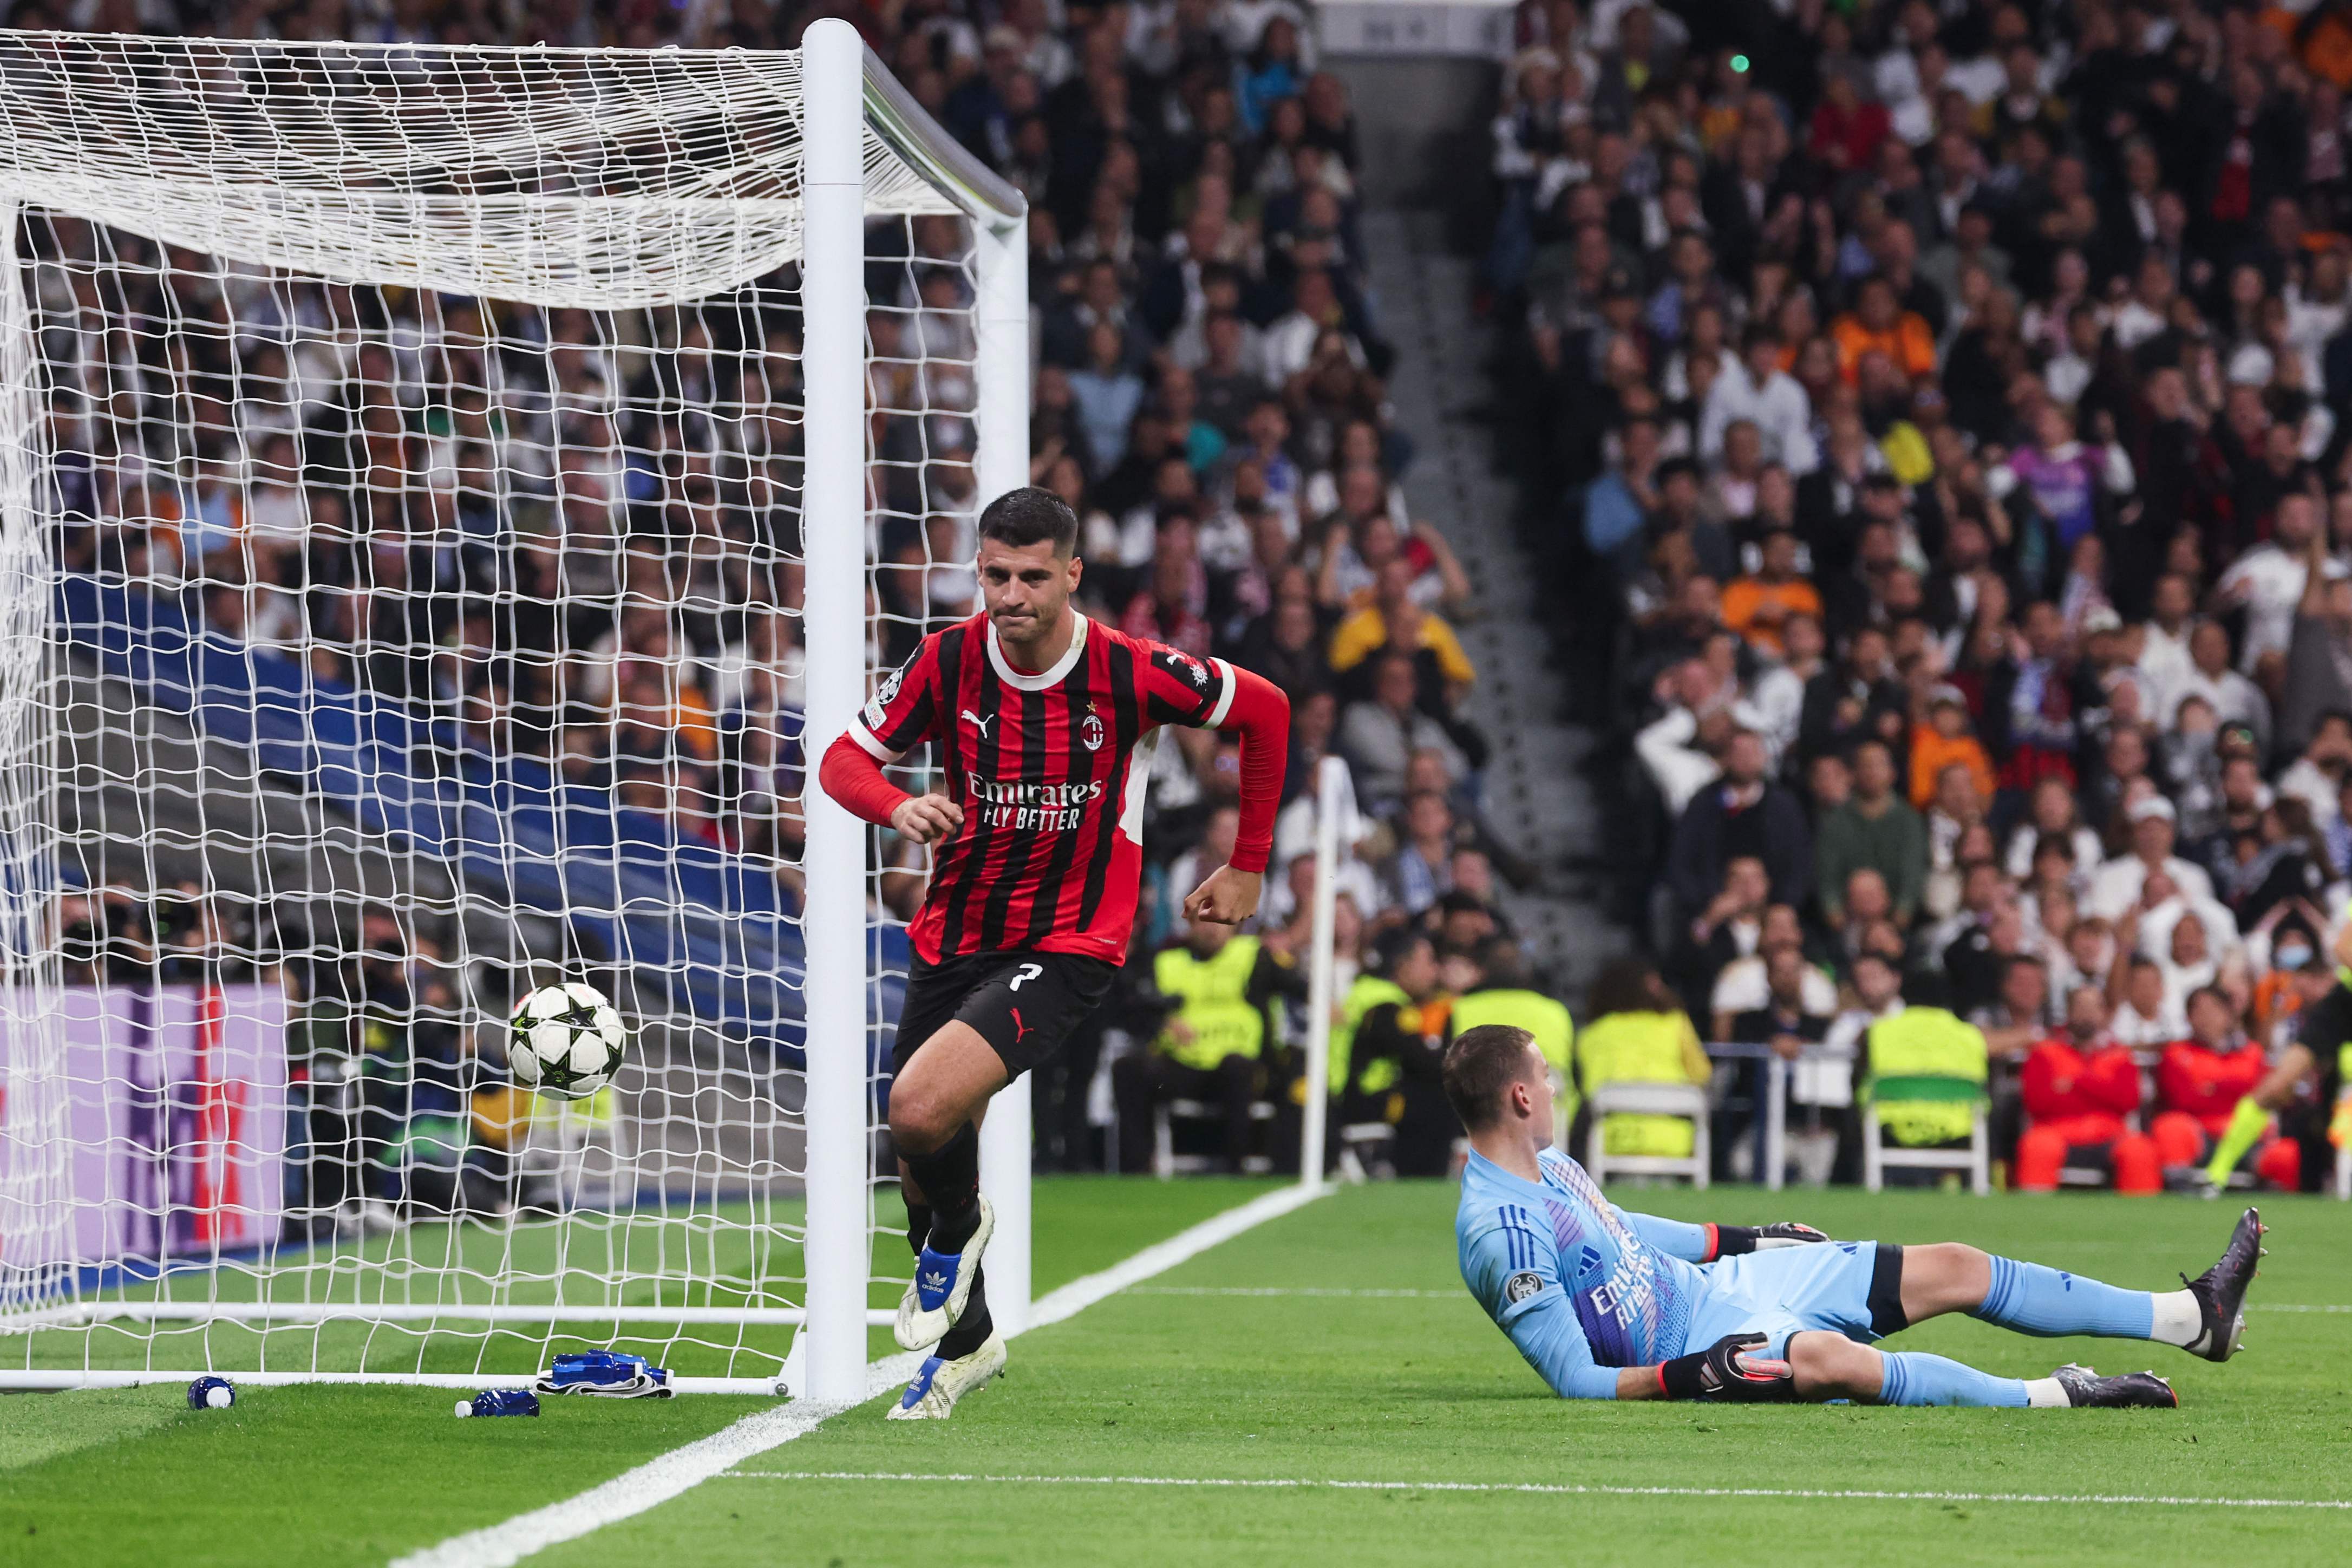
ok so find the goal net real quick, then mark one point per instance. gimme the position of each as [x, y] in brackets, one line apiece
[449, 497]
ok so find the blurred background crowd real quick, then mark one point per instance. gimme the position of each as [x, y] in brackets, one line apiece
[1934, 414]
[1929, 414]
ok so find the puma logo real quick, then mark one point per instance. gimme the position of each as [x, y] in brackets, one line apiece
[980, 723]
[1020, 1029]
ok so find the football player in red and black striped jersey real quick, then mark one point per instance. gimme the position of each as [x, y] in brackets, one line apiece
[1043, 724]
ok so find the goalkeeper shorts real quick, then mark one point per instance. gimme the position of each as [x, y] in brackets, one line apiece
[1850, 1288]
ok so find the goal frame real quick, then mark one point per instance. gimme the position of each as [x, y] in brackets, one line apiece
[848, 94]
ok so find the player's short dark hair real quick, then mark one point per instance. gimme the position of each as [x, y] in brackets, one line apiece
[1479, 1065]
[1031, 515]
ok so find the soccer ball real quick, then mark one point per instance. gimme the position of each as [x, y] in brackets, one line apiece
[567, 1041]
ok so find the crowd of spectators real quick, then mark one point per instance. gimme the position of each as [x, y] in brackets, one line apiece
[1936, 410]
[571, 537]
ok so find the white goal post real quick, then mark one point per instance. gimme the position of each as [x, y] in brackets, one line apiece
[222, 827]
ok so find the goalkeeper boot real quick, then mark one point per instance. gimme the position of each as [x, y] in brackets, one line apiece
[2221, 1291]
[932, 1396]
[2086, 1390]
[935, 1298]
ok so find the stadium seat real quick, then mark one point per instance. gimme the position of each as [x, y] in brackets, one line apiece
[1649, 1100]
[1363, 1151]
[1876, 1156]
[1167, 1163]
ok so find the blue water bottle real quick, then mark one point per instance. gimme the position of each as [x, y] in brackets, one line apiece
[500, 1401]
[211, 1394]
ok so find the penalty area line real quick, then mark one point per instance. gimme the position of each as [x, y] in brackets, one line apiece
[681, 1469]
[1550, 1488]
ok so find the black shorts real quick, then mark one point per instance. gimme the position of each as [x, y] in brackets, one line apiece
[1025, 1004]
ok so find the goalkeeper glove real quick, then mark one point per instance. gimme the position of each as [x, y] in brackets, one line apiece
[1731, 1240]
[1722, 1371]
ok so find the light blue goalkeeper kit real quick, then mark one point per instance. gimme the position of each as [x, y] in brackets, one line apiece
[1584, 1288]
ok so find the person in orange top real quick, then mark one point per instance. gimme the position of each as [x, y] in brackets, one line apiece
[1944, 741]
[2199, 1082]
[1878, 320]
[1759, 606]
[2079, 1086]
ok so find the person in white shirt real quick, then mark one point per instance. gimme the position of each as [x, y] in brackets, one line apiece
[2315, 311]
[2236, 699]
[2269, 579]
[2147, 1018]
[1758, 391]
[1743, 986]
[2164, 662]
[1827, 1078]
[1779, 693]
[2120, 882]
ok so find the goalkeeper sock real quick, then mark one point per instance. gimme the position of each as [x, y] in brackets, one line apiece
[919, 1229]
[972, 1330]
[948, 1177]
[2035, 1299]
[1913, 1377]
[2248, 1122]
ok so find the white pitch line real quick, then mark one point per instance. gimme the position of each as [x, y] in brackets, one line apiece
[1551, 1488]
[1318, 1290]
[658, 1481]
[2297, 1307]
[1403, 1294]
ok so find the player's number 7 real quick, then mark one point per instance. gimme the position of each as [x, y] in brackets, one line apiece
[1028, 972]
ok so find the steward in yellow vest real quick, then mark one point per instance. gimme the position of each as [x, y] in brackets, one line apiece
[1226, 991]
[1396, 1045]
[1503, 996]
[1638, 1035]
[1928, 1069]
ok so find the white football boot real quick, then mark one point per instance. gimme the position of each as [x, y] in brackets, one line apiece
[932, 1396]
[935, 1298]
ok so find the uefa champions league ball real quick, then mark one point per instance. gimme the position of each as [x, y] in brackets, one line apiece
[567, 1041]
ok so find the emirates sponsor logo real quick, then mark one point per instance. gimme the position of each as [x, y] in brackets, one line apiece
[1034, 807]
[991, 792]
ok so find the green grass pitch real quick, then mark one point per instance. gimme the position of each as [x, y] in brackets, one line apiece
[1332, 1346]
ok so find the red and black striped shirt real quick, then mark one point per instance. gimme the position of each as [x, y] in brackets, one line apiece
[1050, 771]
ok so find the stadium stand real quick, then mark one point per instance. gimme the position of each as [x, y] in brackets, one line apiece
[1933, 416]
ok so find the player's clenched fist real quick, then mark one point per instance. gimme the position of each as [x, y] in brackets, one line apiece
[1226, 898]
[927, 818]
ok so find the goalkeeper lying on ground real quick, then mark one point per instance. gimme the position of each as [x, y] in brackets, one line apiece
[1610, 1305]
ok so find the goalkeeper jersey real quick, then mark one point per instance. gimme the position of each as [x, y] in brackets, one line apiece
[1580, 1286]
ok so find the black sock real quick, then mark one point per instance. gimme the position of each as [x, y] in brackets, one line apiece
[972, 1330]
[949, 1179]
[918, 1227]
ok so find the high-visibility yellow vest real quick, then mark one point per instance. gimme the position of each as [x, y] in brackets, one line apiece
[1369, 992]
[1639, 1047]
[1926, 1042]
[1536, 1013]
[1214, 994]
[1533, 1011]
